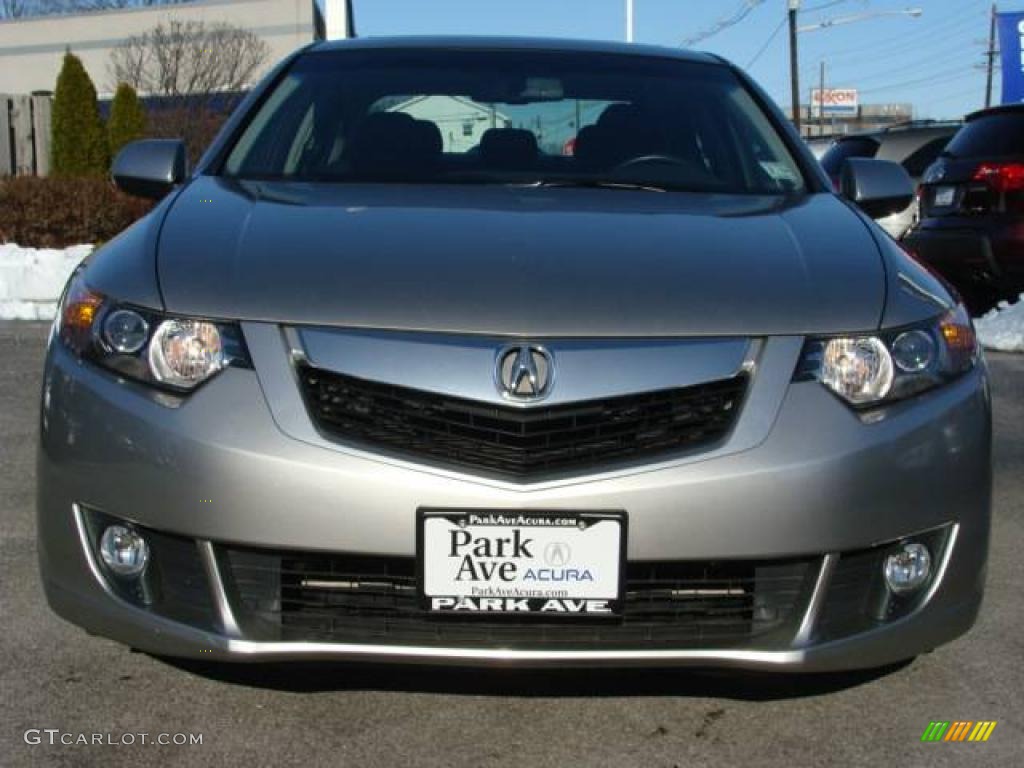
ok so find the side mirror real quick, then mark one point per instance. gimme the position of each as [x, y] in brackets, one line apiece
[878, 187]
[150, 168]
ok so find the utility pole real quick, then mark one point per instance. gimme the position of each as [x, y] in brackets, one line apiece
[794, 64]
[629, 21]
[991, 57]
[821, 100]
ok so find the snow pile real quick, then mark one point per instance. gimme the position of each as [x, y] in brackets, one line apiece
[1003, 327]
[31, 279]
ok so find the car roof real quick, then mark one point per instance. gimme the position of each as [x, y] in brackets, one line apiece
[899, 141]
[469, 42]
[901, 130]
[1000, 109]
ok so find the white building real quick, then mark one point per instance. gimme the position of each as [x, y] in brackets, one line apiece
[461, 121]
[31, 49]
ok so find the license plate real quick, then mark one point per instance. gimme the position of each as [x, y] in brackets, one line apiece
[560, 564]
[944, 196]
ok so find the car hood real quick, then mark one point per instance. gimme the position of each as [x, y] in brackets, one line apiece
[519, 261]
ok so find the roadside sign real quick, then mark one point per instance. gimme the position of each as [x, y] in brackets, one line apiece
[834, 101]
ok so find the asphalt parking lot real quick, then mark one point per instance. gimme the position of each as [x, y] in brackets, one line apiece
[53, 676]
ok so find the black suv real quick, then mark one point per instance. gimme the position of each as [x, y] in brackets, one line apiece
[972, 208]
[914, 145]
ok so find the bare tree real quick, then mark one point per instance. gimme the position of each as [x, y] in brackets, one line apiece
[192, 66]
[181, 58]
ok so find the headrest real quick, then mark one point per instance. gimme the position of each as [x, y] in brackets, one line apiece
[508, 147]
[429, 137]
[393, 142]
[619, 115]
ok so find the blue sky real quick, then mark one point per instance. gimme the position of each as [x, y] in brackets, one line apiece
[929, 61]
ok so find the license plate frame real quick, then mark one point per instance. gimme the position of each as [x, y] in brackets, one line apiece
[569, 528]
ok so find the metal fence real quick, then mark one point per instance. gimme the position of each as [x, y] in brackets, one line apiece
[24, 135]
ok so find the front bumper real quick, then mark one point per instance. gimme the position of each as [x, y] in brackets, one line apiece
[220, 472]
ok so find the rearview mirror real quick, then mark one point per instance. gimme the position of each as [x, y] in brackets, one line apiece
[878, 187]
[150, 168]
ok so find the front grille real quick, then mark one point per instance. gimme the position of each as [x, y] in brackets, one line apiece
[305, 596]
[518, 442]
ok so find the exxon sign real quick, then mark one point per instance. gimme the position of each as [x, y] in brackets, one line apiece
[834, 101]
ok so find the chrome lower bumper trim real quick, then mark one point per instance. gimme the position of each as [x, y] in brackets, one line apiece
[814, 605]
[225, 613]
[261, 651]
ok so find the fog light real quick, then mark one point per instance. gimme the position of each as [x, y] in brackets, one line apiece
[909, 568]
[124, 551]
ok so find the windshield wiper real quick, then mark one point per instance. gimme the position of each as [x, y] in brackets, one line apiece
[593, 184]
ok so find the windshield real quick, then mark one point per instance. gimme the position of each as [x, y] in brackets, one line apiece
[514, 117]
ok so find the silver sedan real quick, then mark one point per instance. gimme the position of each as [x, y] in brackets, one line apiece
[512, 351]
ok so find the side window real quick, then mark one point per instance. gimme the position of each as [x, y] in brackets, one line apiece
[261, 150]
[916, 163]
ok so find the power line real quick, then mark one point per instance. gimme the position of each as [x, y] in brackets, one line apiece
[972, 91]
[767, 42]
[823, 6]
[945, 98]
[744, 9]
[907, 42]
[908, 47]
[946, 76]
[907, 55]
[928, 62]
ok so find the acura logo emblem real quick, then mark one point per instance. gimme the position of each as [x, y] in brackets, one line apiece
[557, 554]
[524, 372]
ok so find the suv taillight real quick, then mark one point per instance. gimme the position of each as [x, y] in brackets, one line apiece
[1001, 177]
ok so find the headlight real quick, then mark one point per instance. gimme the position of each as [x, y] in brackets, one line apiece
[872, 369]
[184, 352]
[169, 352]
[859, 369]
[125, 330]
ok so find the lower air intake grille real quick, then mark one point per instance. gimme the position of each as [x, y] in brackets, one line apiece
[305, 596]
[516, 442]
